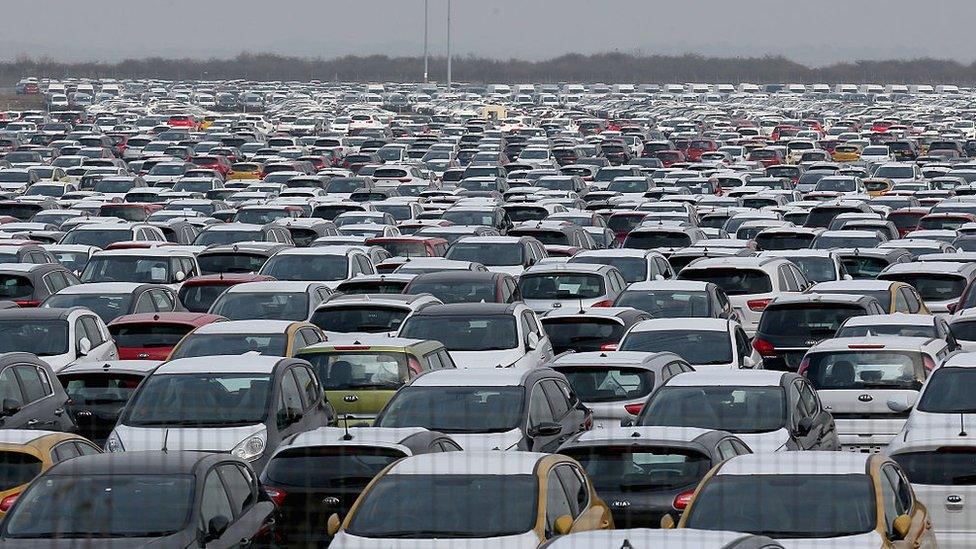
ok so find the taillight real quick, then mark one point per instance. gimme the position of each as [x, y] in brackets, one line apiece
[928, 362]
[804, 366]
[277, 495]
[27, 303]
[759, 304]
[604, 303]
[634, 409]
[8, 502]
[764, 347]
[682, 500]
[609, 346]
[405, 180]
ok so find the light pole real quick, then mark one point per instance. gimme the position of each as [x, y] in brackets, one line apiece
[448, 46]
[425, 41]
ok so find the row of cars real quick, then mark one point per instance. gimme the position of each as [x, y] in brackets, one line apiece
[452, 324]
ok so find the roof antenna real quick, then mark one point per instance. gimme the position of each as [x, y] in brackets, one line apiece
[582, 311]
[165, 439]
[962, 425]
[626, 545]
[345, 423]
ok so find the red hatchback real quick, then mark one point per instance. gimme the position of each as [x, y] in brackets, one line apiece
[152, 336]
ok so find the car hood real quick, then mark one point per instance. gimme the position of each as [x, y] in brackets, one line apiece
[486, 359]
[766, 442]
[488, 441]
[58, 362]
[346, 541]
[860, 541]
[211, 439]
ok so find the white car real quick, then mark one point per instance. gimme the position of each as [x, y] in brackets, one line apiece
[483, 335]
[60, 337]
[702, 342]
[327, 264]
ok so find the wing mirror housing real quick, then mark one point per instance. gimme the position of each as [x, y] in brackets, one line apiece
[333, 524]
[900, 403]
[533, 341]
[545, 429]
[564, 525]
[84, 346]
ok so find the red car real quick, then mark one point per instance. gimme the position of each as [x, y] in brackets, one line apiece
[907, 219]
[699, 146]
[213, 162]
[152, 336]
[766, 157]
[198, 293]
[183, 121]
[670, 157]
[402, 247]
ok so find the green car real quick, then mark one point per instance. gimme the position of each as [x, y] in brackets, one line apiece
[360, 377]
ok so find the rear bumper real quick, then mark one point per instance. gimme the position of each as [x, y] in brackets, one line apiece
[867, 435]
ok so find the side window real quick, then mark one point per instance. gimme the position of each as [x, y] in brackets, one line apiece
[307, 384]
[664, 267]
[539, 410]
[65, 450]
[291, 397]
[434, 360]
[527, 326]
[161, 300]
[300, 341]
[902, 491]
[890, 501]
[446, 360]
[366, 266]
[901, 302]
[240, 488]
[576, 490]
[145, 304]
[516, 293]
[740, 448]
[796, 407]
[80, 333]
[506, 292]
[786, 282]
[558, 400]
[742, 343]
[726, 450]
[94, 332]
[86, 449]
[913, 305]
[30, 382]
[801, 281]
[214, 502]
[9, 388]
[808, 399]
[557, 504]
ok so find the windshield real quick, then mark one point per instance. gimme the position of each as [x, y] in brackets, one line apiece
[127, 269]
[360, 369]
[230, 344]
[609, 383]
[725, 407]
[150, 334]
[948, 466]
[456, 409]
[319, 268]
[404, 249]
[200, 400]
[100, 238]
[667, 303]
[468, 217]
[262, 305]
[338, 467]
[215, 263]
[260, 216]
[806, 321]
[932, 287]
[582, 334]
[100, 388]
[210, 238]
[631, 468]
[633, 269]
[370, 319]
[464, 333]
[895, 172]
[949, 392]
[40, 337]
[114, 186]
[457, 291]
[103, 506]
[702, 347]
[493, 255]
[646, 240]
[732, 281]
[865, 370]
[17, 468]
[198, 298]
[107, 306]
[561, 286]
[454, 506]
[15, 287]
[845, 503]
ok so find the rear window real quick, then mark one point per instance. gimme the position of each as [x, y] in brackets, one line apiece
[582, 334]
[932, 287]
[657, 239]
[332, 467]
[198, 298]
[369, 319]
[861, 267]
[359, 370]
[949, 466]
[151, 334]
[858, 369]
[609, 383]
[17, 468]
[615, 468]
[15, 287]
[818, 322]
[549, 238]
[561, 286]
[230, 263]
[103, 388]
[732, 281]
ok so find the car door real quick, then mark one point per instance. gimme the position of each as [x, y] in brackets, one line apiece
[564, 411]
[102, 345]
[216, 517]
[542, 431]
[317, 412]
[19, 411]
[290, 415]
[251, 514]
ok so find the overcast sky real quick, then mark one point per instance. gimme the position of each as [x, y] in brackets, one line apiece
[817, 32]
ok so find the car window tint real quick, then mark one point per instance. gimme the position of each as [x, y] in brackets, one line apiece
[808, 399]
[239, 488]
[539, 410]
[9, 387]
[901, 302]
[576, 489]
[94, 332]
[434, 360]
[558, 400]
[903, 493]
[30, 382]
[145, 304]
[557, 503]
[86, 449]
[214, 502]
[726, 450]
[65, 450]
[446, 360]
[306, 382]
[291, 398]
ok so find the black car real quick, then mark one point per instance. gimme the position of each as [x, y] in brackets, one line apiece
[321, 472]
[466, 287]
[246, 257]
[98, 392]
[641, 471]
[30, 395]
[590, 329]
[790, 325]
[28, 284]
[867, 263]
[137, 499]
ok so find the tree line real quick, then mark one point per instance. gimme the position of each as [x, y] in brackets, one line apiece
[601, 67]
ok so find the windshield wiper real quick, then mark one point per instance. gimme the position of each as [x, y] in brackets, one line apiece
[426, 534]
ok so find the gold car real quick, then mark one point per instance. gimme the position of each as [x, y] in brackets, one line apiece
[267, 337]
[847, 153]
[25, 454]
[521, 499]
[246, 170]
[877, 186]
[894, 297]
[818, 499]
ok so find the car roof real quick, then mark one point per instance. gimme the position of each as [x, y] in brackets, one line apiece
[693, 324]
[596, 268]
[797, 463]
[37, 313]
[893, 318]
[337, 436]
[110, 366]
[246, 327]
[271, 286]
[106, 288]
[467, 309]
[138, 463]
[458, 275]
[644, 433]
[873, 343]
[612, 359]
[482, 377]
[469, 463]
[723, 376]
[245, 363]
[23, 436]
[929, 267]
[821, 298]
[852, 285]
[672, 284]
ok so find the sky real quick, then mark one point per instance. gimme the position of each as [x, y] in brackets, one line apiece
[815, 33]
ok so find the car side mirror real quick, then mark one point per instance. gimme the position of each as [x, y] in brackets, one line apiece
[627, 422]
[564, 525]
[333, 524]
[545, 429]
[952, 307]
[216, 527]
[531, 261]
[659, 277]
[667, 522]
[848, 277]
[84, 346]
[10, 407]
[180, 276]
[286, 418]
[804, 427]
[902, 526]
[533, 341]
[900, 403]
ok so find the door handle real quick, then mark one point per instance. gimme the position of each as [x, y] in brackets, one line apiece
[59, 412]
[32, 423]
